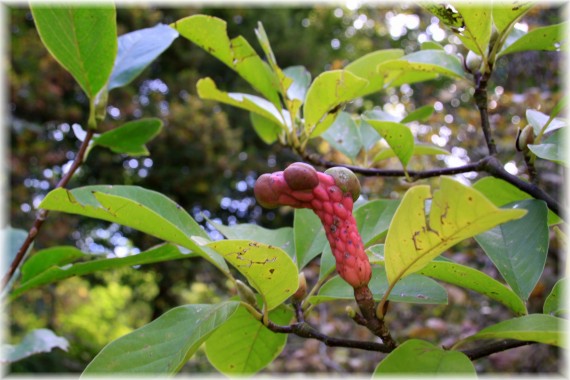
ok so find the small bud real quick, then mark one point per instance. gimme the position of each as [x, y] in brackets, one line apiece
[524, 138]
[473, 62]
[350, 312]
[301, 176]
[302, 289]
[264, 192]
[245, 293]
[346, 180]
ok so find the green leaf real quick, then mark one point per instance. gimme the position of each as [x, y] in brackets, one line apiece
[539, 328]
[420, 114]
[373, 219]
[266, 129]
[552, 148]
[555, 304]
[130, 137]
[280, 237]
[137, 50]
[13, 239]
[420, 66]
[207, 90]
[538, 120]
[431, 45]
[210, 33]
[327, 93]
[477, 21]
[163, 346]
[268, 269]
[82, 39]
[506, 14]
[398, 136]
[547, 38]
[413, 289]
[518, 248]
[138, 208]
[501, 193]
[368, 135]
[463, 276]
[457, 212]
[35, 342]
[419, 149]
[301, 80]
[343, 135]
[415, 357]
[243, 345]
[58, 263]
[310, 239]
[328, 262]
[365, 67]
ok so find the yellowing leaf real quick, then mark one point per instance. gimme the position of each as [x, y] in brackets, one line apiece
[457, 212]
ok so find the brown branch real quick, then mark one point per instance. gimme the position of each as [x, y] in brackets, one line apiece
[481, 101]
[493, 348]
[42, 214]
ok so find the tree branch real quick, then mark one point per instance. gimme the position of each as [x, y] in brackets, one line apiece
[481, 101]
[42, 214]
[493, 348]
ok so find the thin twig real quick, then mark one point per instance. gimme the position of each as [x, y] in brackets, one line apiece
[493, 348]
[42, 214]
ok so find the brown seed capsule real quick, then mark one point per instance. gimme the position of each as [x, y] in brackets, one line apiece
[346, 180]
[301, 176]
[265, 193]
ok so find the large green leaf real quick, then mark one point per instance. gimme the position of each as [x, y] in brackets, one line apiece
[373, 219]
[552, 148]
[130, 137]
[301, 81]
[327, 93]
[538, 120]
[210, 33]
[398, 136]
[539, 328]
[83, 39]
[163, 346]
[266, 129]
[58, 263]
[138, 208]
[456, 213]
[463, 276]
[413, 289]
[419, 149]
[310, 239]
[420, 114]
[501, 192]
[421, 358]
[137, 50]
[518, 248]
[556, 302]
[207, 90]
[243, 345]
[280, 237]
[343, 135]
[35, 342]
[546, 38]
[328, 262]
[268, 269]
[365, 67]
[506, 13]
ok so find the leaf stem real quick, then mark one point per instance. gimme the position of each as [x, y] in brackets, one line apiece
[42, 214]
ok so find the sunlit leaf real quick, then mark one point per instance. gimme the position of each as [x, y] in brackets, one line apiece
[137, 50]
[343, 135]
[556, 302]
[539, 328]
[310, 239]
[301, 81]
[518, 248]
[420, 114]
[552, 148]
[548, 38]
[210, 33]
[418, 357]
[506, 13]
[35, 342]
[373, 219]
[431, 45]
[501, 192]
[268, 269]
[130, 137]
[413, 289]
[325, 95]
[243, 345]
[419, 149]
[398, 136]
[456, 212]
[365, 67]
[163, 346]
[67, 30]
[58, 263]
[476, 31]
[138, 208]
[207, 90]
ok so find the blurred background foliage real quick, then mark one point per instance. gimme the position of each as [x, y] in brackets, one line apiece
[208, 157]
